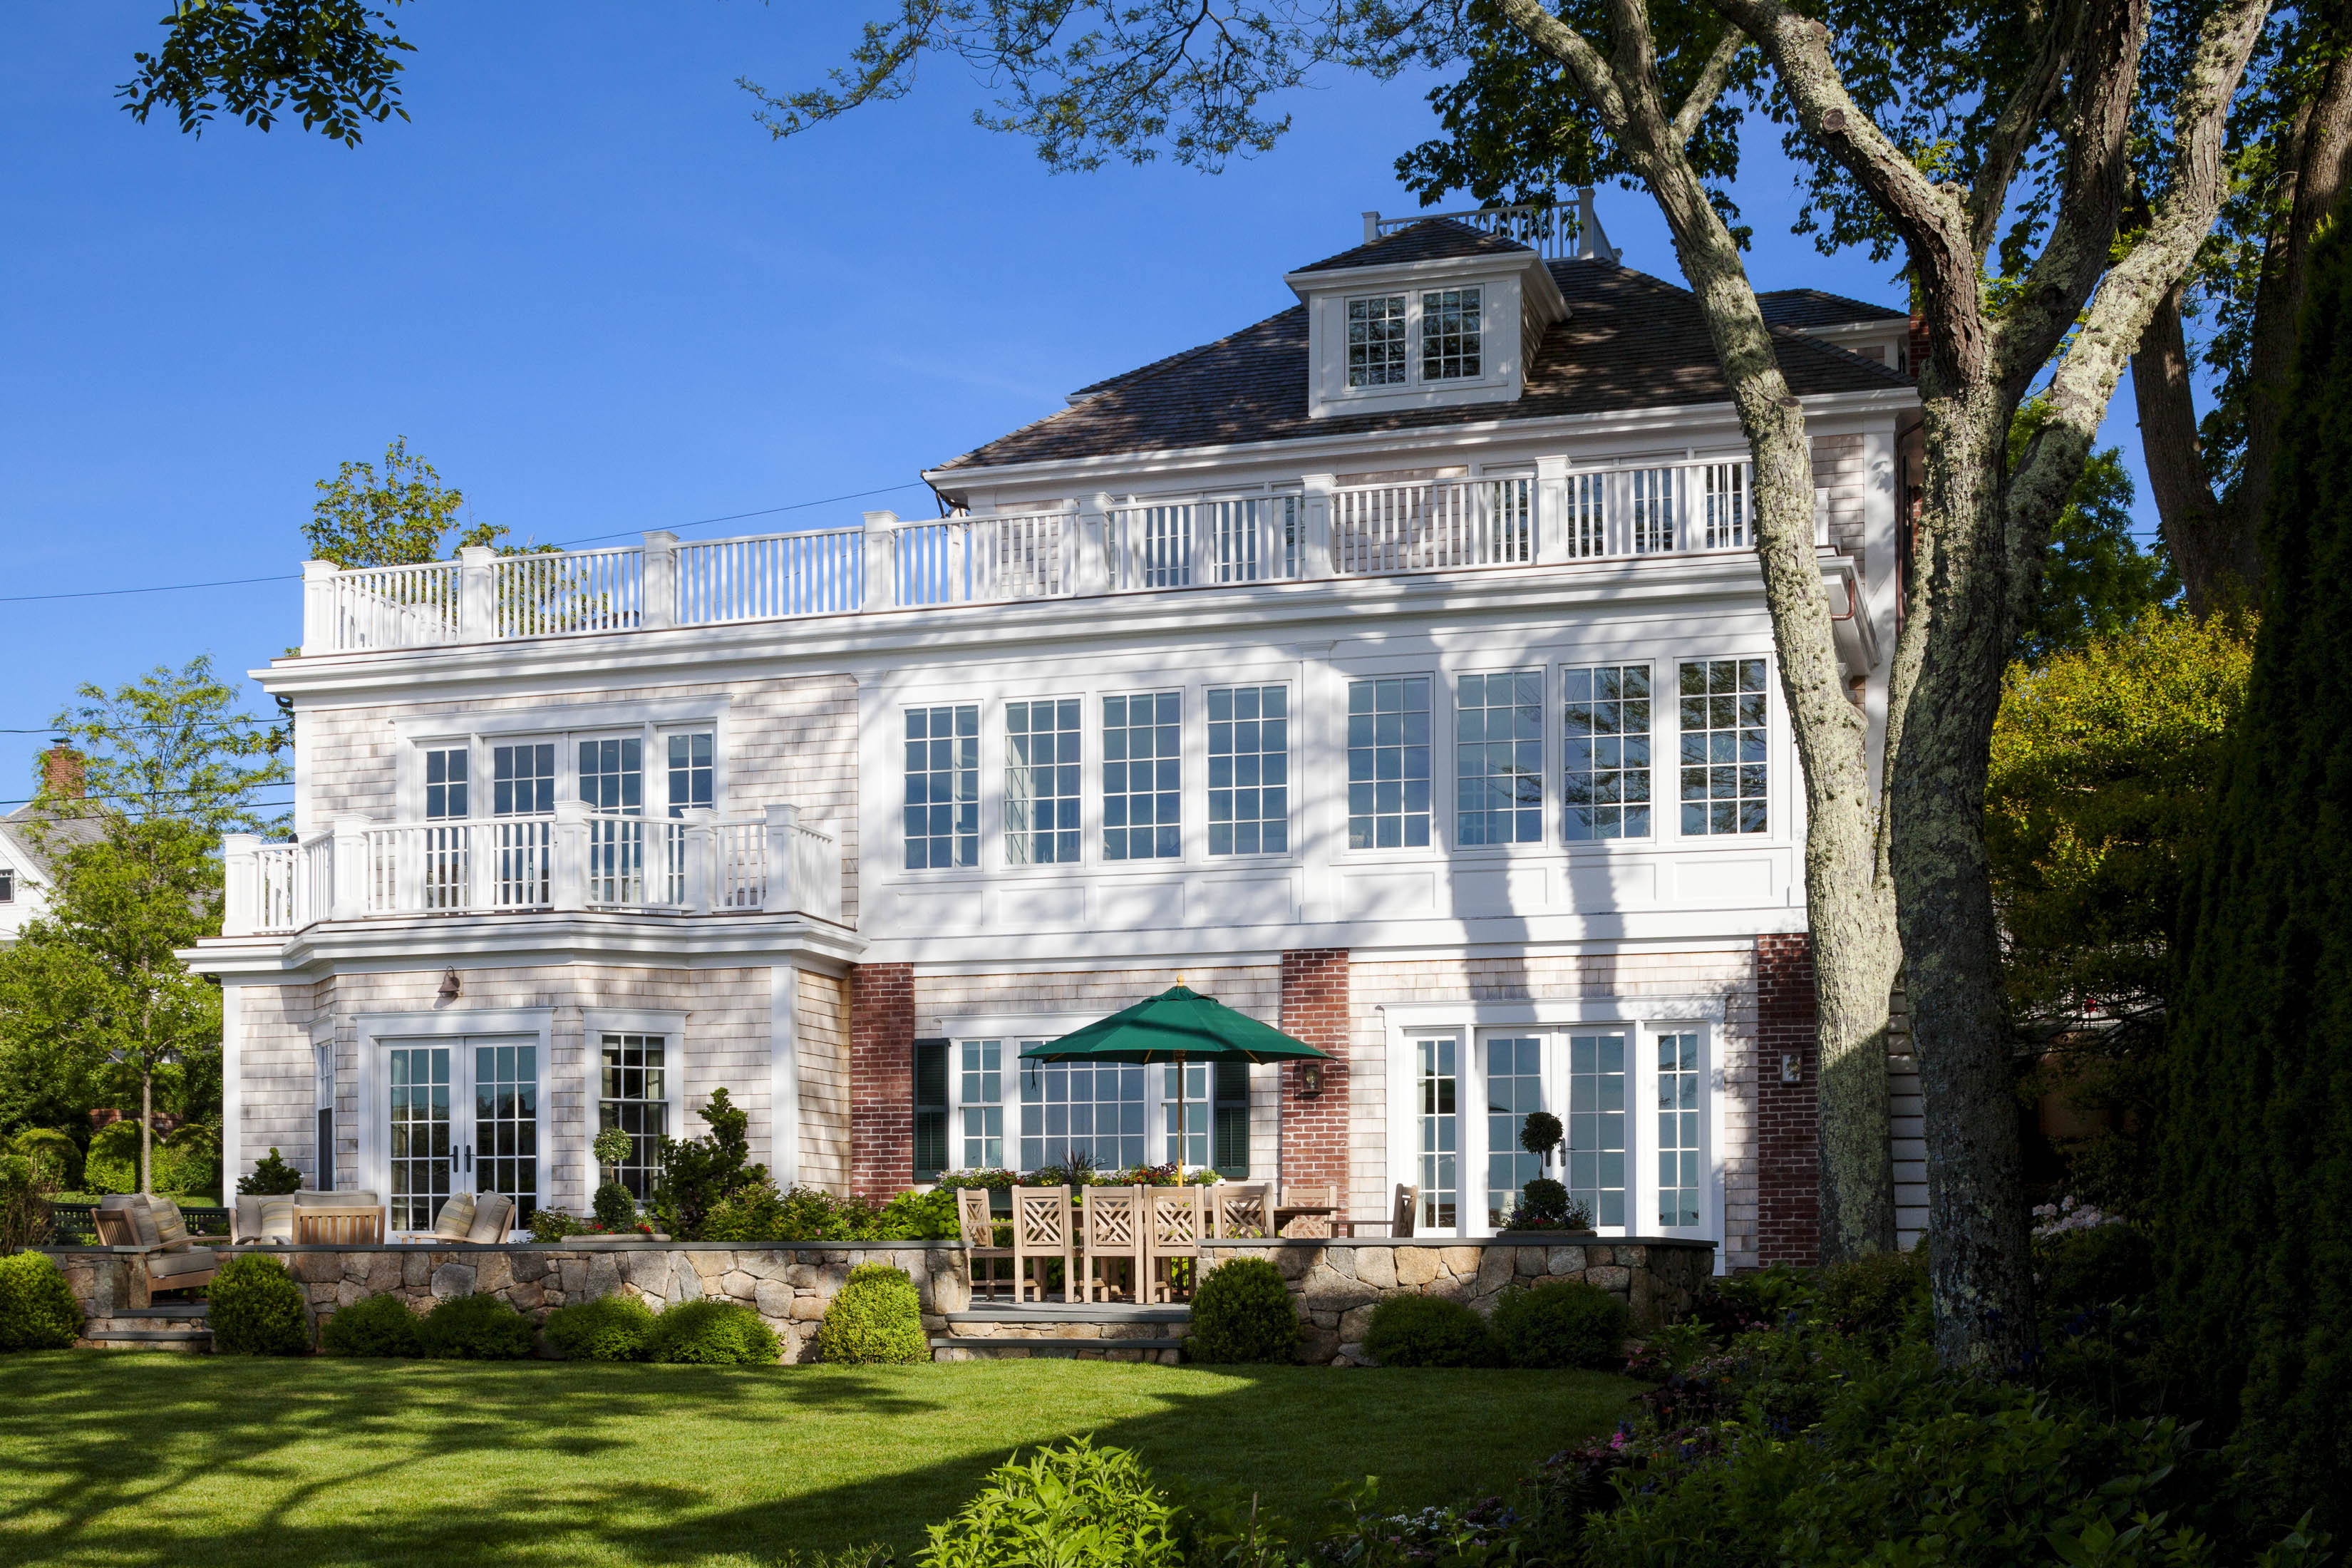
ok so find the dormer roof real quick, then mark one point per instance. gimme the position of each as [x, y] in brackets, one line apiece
[1431, 239]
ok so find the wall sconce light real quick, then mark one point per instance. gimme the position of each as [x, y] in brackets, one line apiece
[449, 984]
[1310, 1080]
[1791, 1067]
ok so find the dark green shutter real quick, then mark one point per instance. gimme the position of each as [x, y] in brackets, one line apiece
[1229, 1150]
[930, 1109]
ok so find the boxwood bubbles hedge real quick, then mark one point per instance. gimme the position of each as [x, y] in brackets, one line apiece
[257, 1308]
[479, 1327]
[1566, 1323]
[37, 1309]
[877, 1316]
[1243, 1312]
[373, 1325]
[610, 1327]
[712, 1333]
[1428, 1330]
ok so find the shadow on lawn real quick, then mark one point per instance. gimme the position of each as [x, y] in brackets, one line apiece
[141, 1484]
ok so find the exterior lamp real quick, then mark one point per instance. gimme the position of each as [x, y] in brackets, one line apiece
[449, 984]
[1310, 1079]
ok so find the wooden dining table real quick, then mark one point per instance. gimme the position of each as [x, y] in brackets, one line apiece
[1284, 1213]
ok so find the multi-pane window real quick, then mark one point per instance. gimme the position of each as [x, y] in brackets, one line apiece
[613, 775]
[1041, 781]
[1605, 751]
[1723, 746]
[1091, 1112]
[523, 780]
[634, 1097]
[1197, 1118]
[7, 885]
[943, 786]
[1142, 776]
[419, 1147]
[1498, 749]
[1249, 770]
[1596, 1125]
[1650, 496]
[1376, 341]
[444, 782]
[1387, 762]
[1514, 1088]
[1678, 1113]
[1449, 335]
[506, 1125]
[1441, 1133]
[690, 772]
[980, 1145]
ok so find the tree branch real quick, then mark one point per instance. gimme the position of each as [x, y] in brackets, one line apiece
[2020, 122]
[1712, 77]
[1572, 50]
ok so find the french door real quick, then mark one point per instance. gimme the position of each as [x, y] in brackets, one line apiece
[461, 1116]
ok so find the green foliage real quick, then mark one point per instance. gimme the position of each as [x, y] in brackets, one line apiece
[325, 59]
[610, 1328]
[548, 1226]
[1243, 1312]
[615, 1206]
[2096, 581]
[1541, 1132]
[1074, 1507]
[2093, 1267]
[112, 1163]
[612, 1146]
[2254, 1246]
[399, 520]
[1544, 1204]
[811, 1214]
[37, 1309]
[477, 1327]
[1877, 1297]
[876, 1316]
[56, 1158]
[698, 1174]
[372, 1326]
[188, 1163]
[1428, 1330]
[24, 1203]
[258, 1308]
[711, 1333]
[270, 1177]
[1566, 1323]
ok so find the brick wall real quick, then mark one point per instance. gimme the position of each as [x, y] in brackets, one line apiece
[1314, 1143]
[1788, 1149]
[881, 1079]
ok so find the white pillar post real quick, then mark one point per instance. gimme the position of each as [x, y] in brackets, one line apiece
[568, 881]
[1317, 556]
[881, 589]
[784, 1075]
[351, 869]
[781, 896]
[240, 884]
[1551, 509]
[478, 605]
[319, 606]
[1094, 543]
[701, 856]
[658, 607]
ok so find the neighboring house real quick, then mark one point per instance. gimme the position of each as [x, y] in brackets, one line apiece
[1396, 669]
[30, 841]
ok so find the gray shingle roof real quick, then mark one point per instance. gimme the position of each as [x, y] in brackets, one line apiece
[1812, 307]
[36, 835]
[1630, 342]
[1431, 239]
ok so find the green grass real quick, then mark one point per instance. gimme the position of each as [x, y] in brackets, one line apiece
[118, 1457]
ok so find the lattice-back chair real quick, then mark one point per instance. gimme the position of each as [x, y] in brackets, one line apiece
[1179, 1217]
[1114, 1227]
[1241, 1209]
[1040, 1234]
[977, 1228]
[1314, 1226]
[1408, 1210]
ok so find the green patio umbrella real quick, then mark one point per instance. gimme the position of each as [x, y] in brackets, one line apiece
[1178, 1025]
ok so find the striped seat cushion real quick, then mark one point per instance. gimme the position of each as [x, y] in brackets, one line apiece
[170, 1228]
[277, 1220]
[492, 1214]
[189, 1260]
[455, 1220]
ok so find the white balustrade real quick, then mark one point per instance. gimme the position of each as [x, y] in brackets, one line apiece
[279, 886]
[1193, 541]
[770, 576]
[1655, 511]
[393, 606]
[1432, 525]
[554, 593]
[742, 881]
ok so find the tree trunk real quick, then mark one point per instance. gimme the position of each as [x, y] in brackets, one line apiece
[2210, 549]
[146, 1132]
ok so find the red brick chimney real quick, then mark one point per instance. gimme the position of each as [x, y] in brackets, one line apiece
[61, 772]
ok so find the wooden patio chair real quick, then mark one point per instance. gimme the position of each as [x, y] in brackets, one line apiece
[1407, 1209]
[1040, 1235]
[1241, 1209]
[164, 1259]
[1309, 1225]
[1113, 1225]
[978, 1229]
[1178, 1217]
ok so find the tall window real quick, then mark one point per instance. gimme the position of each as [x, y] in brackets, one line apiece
[1376, 341]
[690, 772]
[1040, 782]
[981, 1146]
[1085, 1110]
[1606, 751]
[613, 776]
[419, 1150]
[943, 786]
[1142, 776]
[1596, 1125]
[1249, 770]
[1387, 762]
[1199, 1117]
[1441, 1133]
[1651, 494]
[931, 1099]
[1723, 731]
[1449, 335]
[506, 1125]
[444, 782]
[635, 1098]
[1514, 1088]
[1679, 1146]
[523, 780]
[1499, 748]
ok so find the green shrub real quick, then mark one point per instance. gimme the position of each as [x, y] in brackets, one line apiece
[2094, 1267]
[56, 1158]
[479, 1327]
[258, 1308]
[373, 1325]
[112, 1163]
[550, 1225]
[1427, 1330]
[1566, 1323]
[877, 1316]
[272, 1177]
[698, 1174]
[1544, 1204]
[610, 1327]
[1879, 1297]
[919, 1216]
[1074, 1507]
[23, 1204]
[615, 1206]
[712, 1333]
[188, 1162]
[37, 1309]
[1243, 1312]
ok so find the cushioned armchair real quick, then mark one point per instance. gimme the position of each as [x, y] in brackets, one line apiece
[165, 1259]
[270, 1220]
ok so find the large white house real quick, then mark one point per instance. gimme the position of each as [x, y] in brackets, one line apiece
[1395, 669]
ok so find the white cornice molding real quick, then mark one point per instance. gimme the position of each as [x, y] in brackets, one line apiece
[404, 945]
[543, 717]
[1524, 264]
[1630, 1008]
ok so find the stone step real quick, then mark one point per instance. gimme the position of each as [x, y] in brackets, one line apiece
[145, 1332]
[983, 1311]
[195, 1311]
[967, 1348]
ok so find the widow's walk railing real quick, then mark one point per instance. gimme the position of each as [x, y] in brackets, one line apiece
[573, 859]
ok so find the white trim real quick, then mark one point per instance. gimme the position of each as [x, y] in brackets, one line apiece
[597, 1021]
[1028, 1025]
[785, 1073]
[232, 1088]
[1696, 1008]
[488, 722]
[372, 1030]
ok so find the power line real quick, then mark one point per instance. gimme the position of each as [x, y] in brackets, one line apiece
[596, 539]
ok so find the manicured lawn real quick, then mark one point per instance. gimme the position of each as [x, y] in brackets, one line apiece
[119, 1457]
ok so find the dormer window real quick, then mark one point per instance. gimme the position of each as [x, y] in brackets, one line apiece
[1449, 335]
[1376, 341]
[1452, 335]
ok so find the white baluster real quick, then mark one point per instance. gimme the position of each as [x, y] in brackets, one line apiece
[784, 821]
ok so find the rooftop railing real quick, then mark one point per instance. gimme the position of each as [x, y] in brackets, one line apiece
[1555, 232]
[1315, 529]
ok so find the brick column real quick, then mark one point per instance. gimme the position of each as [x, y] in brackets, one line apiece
[1788, 1133]
[1315, 1128]
[881, 1079]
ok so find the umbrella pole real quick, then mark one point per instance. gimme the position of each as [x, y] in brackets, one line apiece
[1180, 1097]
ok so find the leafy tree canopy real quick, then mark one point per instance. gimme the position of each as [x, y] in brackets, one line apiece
[2096, 581]
[169, 746]
[331, 61]
[400, 519]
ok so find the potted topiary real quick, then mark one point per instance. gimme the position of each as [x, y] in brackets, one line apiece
[615, 1205]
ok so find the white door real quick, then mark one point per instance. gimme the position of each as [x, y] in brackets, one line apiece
[461, 1116]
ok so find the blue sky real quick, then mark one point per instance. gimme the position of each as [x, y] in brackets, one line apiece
[594, 294]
